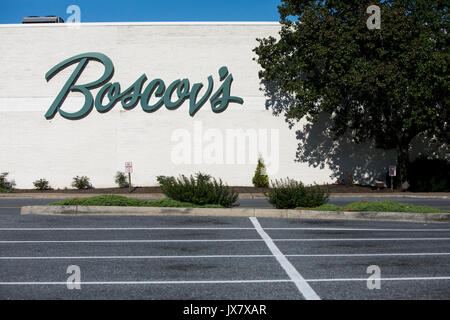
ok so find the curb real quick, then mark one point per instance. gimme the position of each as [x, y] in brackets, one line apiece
[431, 195]
[236, 212]
[77, 195]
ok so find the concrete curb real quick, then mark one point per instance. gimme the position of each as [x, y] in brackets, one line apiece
[430, 195]
[236, 212]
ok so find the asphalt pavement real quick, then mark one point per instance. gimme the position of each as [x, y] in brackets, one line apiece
[142, 257]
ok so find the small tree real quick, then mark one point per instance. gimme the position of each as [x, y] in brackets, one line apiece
[82, 182]
[42, 184]
[4, 183]
[260, 179]
[121, 179]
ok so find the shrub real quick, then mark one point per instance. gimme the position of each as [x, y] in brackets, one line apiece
[289, 194]
[121, 180]
[6, 185]
[81, 182]
[201, 189]
[42, 184]
[260, 179]
[429, 175]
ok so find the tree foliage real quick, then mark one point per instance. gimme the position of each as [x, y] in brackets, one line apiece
[260, 178]
[385, 85]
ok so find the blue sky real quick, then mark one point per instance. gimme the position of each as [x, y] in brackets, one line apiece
[12, 11]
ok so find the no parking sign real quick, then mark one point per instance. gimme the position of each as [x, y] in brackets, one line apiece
[128, 167]
[392, 171]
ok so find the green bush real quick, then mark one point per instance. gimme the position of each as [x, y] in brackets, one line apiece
[429, 175]
[201, 189]
[121, 180]
[81, 183]
[260, 179]
[6, 185]
[289, 194]
[42, 184]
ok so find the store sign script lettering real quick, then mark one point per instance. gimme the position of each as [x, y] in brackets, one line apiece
[110, 93]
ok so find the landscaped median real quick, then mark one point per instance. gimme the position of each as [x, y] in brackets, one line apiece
[118, 205]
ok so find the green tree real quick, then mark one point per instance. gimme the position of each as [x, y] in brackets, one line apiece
[385, 85]
[260, 178]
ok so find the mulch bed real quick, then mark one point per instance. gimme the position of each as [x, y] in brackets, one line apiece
[334, 188]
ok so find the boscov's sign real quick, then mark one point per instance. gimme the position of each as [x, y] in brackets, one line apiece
[110, 92]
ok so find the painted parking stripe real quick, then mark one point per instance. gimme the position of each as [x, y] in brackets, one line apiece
[220, 228]
[359, 229]
[229, 256]
[130, 241]
[146, 282]
[370, 254]
[380, 279]
[142, 257]
[123, 228]
[220, 240]
[168, 282]
[304, 288]
[366, 239]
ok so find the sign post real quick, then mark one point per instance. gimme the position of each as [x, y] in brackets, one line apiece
[392, 174]
[129, 170]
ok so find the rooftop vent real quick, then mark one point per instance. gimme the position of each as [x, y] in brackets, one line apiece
[46, 19]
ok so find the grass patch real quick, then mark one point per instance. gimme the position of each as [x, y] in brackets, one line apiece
[380, 206]
[121, 201]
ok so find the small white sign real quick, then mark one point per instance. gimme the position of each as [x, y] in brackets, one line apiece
[392, 171]
[128, 167]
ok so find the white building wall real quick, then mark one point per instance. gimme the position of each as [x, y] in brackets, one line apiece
[97, 146]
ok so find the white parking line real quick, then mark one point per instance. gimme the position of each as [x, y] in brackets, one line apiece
[221, 240]
[381, 279]
[142, 257]
[219, 228]
[130, 241]
[360, 229]
[146, 282]
[123, 229]
[366, 239]
[370, 254]
[304, 288]
[229, 256]
[219, 281]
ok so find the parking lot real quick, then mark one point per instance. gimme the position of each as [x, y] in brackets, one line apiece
[142, 257]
